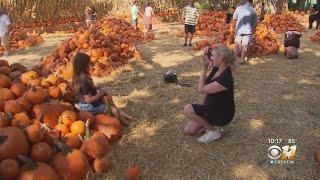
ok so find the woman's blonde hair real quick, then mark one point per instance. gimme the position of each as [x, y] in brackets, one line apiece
[228, 55]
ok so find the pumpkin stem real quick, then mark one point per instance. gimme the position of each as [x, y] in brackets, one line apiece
[60, 145]
[87, 136]
[10, 115]
[30, 163]
[21, 125]
[3, 139]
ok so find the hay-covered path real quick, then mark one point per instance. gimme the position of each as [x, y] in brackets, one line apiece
[275, 98]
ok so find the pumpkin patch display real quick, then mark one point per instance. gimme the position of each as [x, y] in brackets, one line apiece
[55, 140]
[283, 22]
[19, 39]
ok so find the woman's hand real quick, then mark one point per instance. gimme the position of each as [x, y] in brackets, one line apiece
[205, 63]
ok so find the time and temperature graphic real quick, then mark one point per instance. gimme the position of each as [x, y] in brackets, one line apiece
[282, 151]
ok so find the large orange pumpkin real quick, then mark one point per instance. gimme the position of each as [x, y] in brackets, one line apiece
[12, 106]
[36, 95]
[9, 169]
[5, 81]
[36, 170]
[109, 126]
[41, 152]
[9, 148]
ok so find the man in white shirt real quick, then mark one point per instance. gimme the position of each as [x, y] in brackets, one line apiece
[246, 24]
[4, 31]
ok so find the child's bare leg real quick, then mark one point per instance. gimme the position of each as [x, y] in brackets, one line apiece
[121, 115]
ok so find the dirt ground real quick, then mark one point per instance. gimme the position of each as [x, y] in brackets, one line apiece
[275, 98]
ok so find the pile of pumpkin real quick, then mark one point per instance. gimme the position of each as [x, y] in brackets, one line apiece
[265, 41]
[169, 15]
[211, 22]
[121, 30]
[283, 22]
[315, 37]
[106, 52]
[42, 136]
[19, 39]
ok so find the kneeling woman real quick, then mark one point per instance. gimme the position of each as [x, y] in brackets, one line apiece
[219, 107]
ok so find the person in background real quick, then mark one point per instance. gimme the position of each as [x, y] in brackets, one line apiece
[4, 31]
[229, 14]
[245, 27]
[89, 97]
[148, 13]
[263, 11]
[219, 106]
[90, 13]
[190, 16]
[315, 15]
[134, 14]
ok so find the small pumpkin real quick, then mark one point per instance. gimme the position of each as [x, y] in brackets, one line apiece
[101, 165]
[9, 169]
[9, 148]
[5, 70]
[34, 133]
[78, 127]
[25, 104]
[62, 127]
[109, 126]
[12, 106]
[72, 140]
[5, 81]
[20, 120]
[36, 170]
[36, 95]
[54, 92]
[48, 113]
[68, 117]
[27, 77]
[133, 173]
[6, 94]
[18, 89]
[3, 63]
[96, 146]
[41, 152]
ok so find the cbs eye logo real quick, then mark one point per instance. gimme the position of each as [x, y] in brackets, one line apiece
[274, 152]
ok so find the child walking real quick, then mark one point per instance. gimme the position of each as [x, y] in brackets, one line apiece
[89, 97]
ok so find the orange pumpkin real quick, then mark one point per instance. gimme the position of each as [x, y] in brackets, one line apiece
[41, 152]
[54, 92]
[18, 89]
[68, 117]
[28, 76]
[5, 81]
[72, 140]
[6, 94]
[20, 120]
[4, 120]
[109, 126]
[12, 106]
[78, 127]
[9, 169]
[36, 95]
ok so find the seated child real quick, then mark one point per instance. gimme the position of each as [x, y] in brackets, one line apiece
[89, 97]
